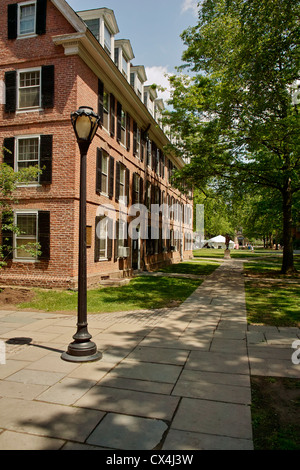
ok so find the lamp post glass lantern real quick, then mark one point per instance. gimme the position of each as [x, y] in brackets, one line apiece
[85, 124]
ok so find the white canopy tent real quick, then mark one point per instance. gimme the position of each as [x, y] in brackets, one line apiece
[219, 242]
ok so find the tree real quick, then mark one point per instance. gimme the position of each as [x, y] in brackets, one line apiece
[236, 113]
[9, 180]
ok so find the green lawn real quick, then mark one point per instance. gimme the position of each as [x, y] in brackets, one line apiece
[144, 292]
[272, 298]
[201, 269]
[219, 253]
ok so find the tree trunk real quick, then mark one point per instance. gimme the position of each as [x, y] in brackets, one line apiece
[288, 255]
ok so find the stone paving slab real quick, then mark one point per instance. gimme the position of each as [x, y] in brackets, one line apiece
[168, 379]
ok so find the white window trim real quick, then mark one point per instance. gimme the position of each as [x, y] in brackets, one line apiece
[35, 108]
[16, 166]
[106, 156]
[122, 197]
[108, 111]
[24, 212]
[104, 258]
[26, 35]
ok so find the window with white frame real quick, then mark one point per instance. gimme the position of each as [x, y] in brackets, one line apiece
[104, 173]
[94, 27]
[27, 18]
[123, 127]
[124, 66]
[27, 152]
[122, 194]
[103, 238]
[106, 110]
[138, 142]
[29, 89]
[25, 239]
[107, 39]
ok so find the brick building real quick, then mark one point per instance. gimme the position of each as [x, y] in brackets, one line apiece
[52, 61]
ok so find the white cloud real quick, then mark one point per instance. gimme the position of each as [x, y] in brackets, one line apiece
[157, 75]
[190, 5]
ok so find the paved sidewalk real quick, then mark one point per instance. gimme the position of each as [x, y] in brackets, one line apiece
[171, 379]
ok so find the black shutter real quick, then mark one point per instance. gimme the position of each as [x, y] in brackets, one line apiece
[41, 12]
[97, 239]
[143, 147]
[116, 240]
[127, 179]
[112, 115]
[100, 100]
[117, 190]
[10, 91]
[12, 21]
[9, 151]
[128, 119]
[47, 86]
[7, 236]
[46, 159]
[134, 137]
[44, 234]
[141, 201]
[99, 171]
[109, 238]
[133, 194]
[111, 171]
[153, 157]
[119, 121]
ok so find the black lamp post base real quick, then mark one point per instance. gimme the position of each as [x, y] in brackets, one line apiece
[82, 352]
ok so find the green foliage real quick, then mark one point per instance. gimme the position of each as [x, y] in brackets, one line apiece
[235, 115]
[9, 181]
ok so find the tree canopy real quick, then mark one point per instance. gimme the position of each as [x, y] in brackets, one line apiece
[235, 112]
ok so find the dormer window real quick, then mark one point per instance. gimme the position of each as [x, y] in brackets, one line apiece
[102, 23]
[94, 27]
[107, 39]
[124, 66]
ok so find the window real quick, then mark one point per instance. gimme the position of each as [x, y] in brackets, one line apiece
[149, 153]
[121, 238]
[122, 122]
[124, 66]
[122, 183]
[26, 237]
[107, 39]
[135, 189]
[123, 126]
[29, 89]
[26, 151]
[33, 228]
[94, 27]
[103, 238]
[26, 19]
[106, 110]
[122, 189]
[104, 173]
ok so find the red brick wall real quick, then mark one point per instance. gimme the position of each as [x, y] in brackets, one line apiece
[75, 85]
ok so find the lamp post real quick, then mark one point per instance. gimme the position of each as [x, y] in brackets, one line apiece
[85, 123]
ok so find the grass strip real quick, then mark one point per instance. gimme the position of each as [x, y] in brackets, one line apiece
[144, 292]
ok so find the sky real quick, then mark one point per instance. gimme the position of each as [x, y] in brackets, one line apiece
[153, 29]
